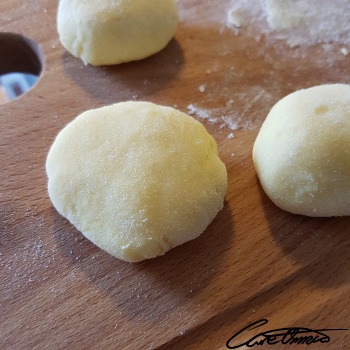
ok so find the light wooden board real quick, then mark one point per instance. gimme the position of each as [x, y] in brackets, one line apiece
[255, 261]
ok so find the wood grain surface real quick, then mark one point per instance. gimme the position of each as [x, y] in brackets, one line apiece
[255, 261]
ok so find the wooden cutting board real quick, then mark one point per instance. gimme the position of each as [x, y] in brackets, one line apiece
[254, 262]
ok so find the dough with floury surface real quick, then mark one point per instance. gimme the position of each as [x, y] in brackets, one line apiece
[137, 179]
[302, 152]
[107, 32]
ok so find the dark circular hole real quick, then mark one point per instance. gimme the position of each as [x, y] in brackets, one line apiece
[20, 65]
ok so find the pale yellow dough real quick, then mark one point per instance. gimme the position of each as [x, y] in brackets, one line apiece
[135, 178]
[105, 32]
[302, 152]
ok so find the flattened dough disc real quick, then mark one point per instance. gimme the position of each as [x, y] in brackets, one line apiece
[135, 178]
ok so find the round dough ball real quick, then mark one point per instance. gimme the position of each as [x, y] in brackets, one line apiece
[135, 178]
[115, 31]
[302, 152]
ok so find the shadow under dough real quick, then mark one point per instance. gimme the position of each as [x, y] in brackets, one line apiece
[138, 79]
[319, 245]
[171, 279]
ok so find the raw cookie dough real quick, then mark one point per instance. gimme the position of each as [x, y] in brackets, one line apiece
[302, 152]
[115, 31]
[135, 178]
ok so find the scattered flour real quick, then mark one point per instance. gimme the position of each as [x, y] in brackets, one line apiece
[298, 22]
[234, 17]
[239, 111]
[200, 113]
[202, 88]
[344, 51]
